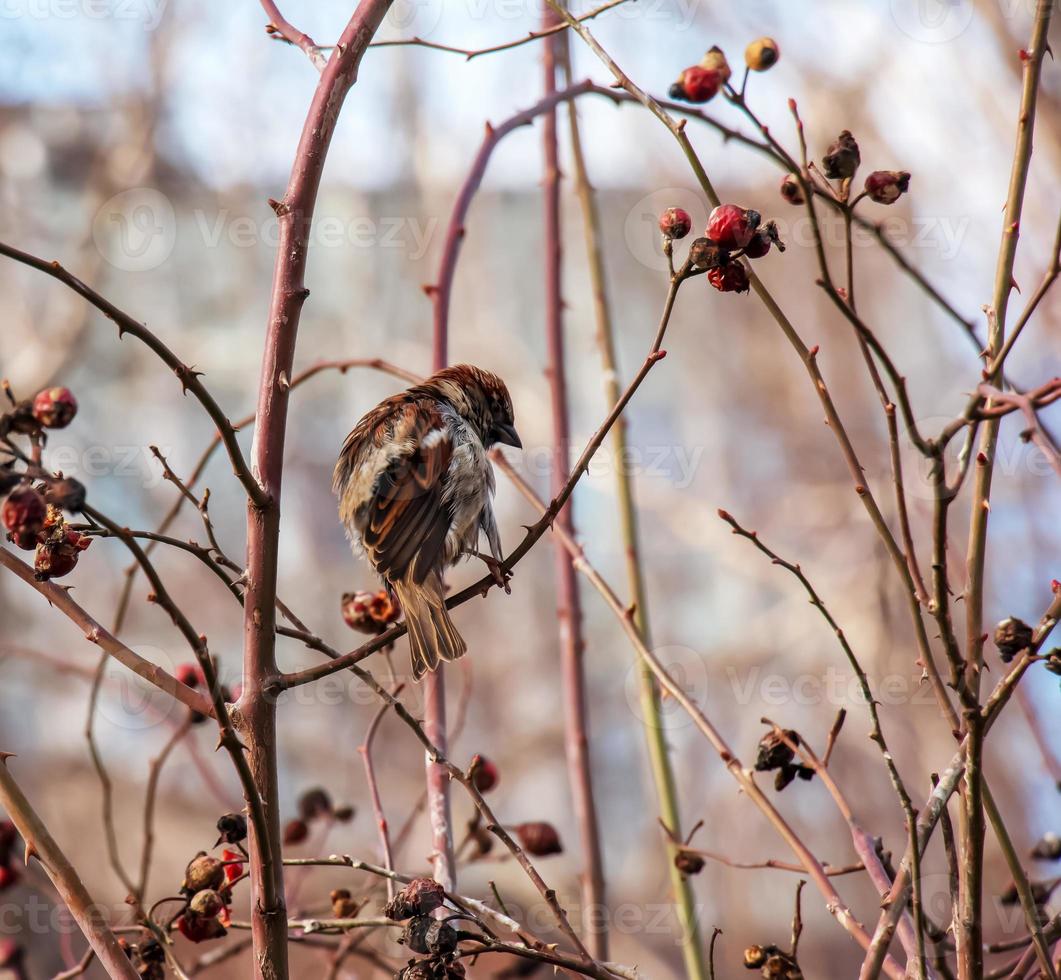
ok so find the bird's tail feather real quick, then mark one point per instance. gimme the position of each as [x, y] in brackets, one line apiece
[432, 636]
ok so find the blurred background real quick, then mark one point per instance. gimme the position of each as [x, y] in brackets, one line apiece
[139, 143]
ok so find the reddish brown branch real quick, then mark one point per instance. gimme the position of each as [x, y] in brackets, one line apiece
[42, 845]
[365, 748]
[257, 709]
[281, 28]
[442, 289]
[568, 601]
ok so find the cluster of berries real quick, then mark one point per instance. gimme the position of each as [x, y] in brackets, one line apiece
[314, 805]
[425, 935]
[772, 962]
[732, 232]
[34, 524]
[702, 82]
[841, 162]
[208, 883]
[32, 515]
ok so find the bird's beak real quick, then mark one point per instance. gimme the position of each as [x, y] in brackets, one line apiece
[506, 434]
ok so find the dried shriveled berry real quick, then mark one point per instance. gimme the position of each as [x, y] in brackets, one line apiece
[732, 226]
[429, 936]
[688, 863]
[420, 897]
[484, 774]
[54, 408]
[774, 751]
[370, 612]
[705, 254]
[199, 929]
[792, 189]
[23, 512]
[732, 278]
[203, 873]
[148, 960]
[295, 832]
[417, 970]
[675, 223]
[67, 493]
[696, 85]
[232, 827]
[539, 838]
[207, 903]
[761, 241]
[842, 158]
[755, 956]
[58, 556]
[887, 186]
[715, 60]
[344, 906]
[27, 542]
[1012, 636]
[762, 54]
[787, 773]
[314, 804]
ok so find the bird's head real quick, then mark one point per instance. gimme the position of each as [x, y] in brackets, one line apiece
[482, 399]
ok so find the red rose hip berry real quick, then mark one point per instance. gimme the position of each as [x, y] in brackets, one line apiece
[887, 186]
[539, 838]
[732, 226]
[732, 278]
[484, 774]
[696, 85]
[23, 512]
[675, 223]
[57, 556]
[55, 408]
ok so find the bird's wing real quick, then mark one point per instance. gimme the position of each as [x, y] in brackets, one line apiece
[406, 521]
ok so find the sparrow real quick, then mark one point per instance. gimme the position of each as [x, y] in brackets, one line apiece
[415, 484]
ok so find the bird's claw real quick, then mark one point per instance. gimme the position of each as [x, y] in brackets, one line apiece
[500, 574]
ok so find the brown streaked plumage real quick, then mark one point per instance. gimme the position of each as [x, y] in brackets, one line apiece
[415, 484]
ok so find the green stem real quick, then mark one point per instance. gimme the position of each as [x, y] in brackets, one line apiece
[655, 735]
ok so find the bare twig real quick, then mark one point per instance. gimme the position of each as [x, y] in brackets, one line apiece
[568, 600]
[42, 845]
